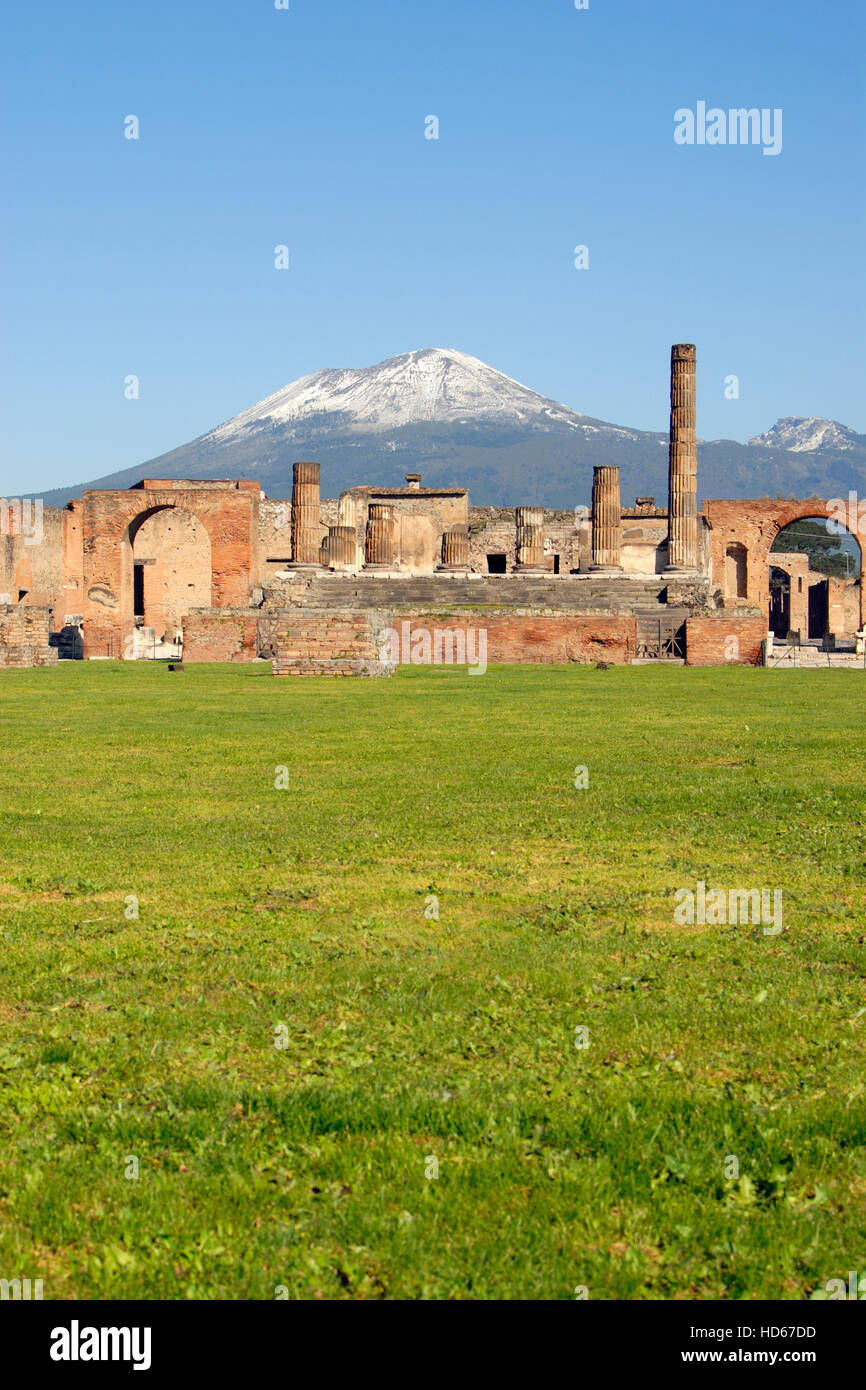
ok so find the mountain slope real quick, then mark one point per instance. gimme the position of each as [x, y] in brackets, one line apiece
[459, 422]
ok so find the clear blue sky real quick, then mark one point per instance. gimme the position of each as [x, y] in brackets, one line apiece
[306, 127]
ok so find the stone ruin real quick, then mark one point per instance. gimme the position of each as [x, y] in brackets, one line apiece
[214, 570]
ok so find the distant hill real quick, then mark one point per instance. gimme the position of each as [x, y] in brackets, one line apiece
[461, 423]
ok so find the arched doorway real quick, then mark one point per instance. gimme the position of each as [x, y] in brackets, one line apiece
[171, 574]
[822, 566]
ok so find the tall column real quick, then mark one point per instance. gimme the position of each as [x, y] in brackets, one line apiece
[455, 549]
[683, 463]
[606, 521]
[342, 548]
[380, 548]
[306, 509]
[530, 538]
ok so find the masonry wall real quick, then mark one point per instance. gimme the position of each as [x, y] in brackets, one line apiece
[32, 563]
[522, 639]
[220, 634]
[317, 643]
[725, 639]
[492, 531]
[348, 642]
[24, 634]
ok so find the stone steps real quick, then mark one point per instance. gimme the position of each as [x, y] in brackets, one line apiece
[567, 593]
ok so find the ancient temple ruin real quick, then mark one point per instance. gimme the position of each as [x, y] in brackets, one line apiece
[214, 570]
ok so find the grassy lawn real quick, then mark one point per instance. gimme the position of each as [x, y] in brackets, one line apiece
[297, 916]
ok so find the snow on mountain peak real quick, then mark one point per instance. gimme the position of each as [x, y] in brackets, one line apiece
[810, 434]
[429, 384]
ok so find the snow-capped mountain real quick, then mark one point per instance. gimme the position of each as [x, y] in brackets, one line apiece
[801, 435]
[461, 423]
[433, 384]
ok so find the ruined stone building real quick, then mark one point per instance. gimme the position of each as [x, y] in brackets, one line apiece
[216, 571]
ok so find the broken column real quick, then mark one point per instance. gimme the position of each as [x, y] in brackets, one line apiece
[455, 549]
[683, 463]
[530, 538]
[342, 547]
[306, 528]
[380, 545]
[606, 521]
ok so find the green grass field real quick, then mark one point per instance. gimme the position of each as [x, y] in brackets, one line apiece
[409, 1039]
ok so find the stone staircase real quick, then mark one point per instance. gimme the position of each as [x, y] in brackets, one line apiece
[638, 595]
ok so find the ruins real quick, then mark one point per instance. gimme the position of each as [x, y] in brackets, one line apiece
[214, 570]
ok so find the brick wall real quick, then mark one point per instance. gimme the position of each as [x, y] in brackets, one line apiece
[725, 639]
[314, 642]
[220, 635]
[520, 639]
[325, 642]
[24, 633]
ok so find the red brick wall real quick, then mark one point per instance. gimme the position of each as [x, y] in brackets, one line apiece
[220, 636]
[520, 639]
[726, 639]
[102, 640]
[24, 635]
[318, 641]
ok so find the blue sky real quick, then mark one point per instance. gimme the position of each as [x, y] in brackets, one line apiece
[305, 127]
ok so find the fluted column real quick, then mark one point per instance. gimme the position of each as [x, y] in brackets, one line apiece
[455, 549]
[683, 462]
[346, 510]
[530, 538]
[342, 547]
[606, 521]
[306, 509]
[380, 544]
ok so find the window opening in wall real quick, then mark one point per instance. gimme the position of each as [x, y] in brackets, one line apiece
[138, 591]
[496, 564]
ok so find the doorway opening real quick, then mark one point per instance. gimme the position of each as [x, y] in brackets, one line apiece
[780, 602]
[138, 591]
[819, 609]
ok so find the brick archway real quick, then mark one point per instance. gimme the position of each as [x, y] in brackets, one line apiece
[754, 524]
[228, 512]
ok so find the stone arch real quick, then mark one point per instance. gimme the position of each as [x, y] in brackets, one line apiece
[168, 566]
